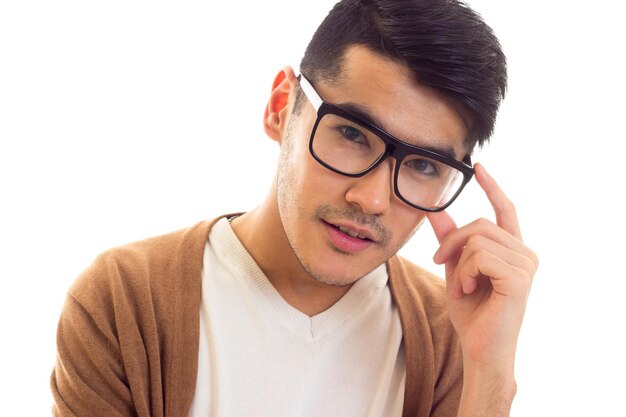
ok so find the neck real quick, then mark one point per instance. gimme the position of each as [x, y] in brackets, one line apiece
[262, 233]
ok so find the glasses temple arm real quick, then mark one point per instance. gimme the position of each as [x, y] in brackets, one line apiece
[310, 92]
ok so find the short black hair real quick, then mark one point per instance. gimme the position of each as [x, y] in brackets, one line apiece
[445, 44]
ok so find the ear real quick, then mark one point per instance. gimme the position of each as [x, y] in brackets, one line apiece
[278, 107]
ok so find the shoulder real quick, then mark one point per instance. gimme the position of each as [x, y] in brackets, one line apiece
[128, 321]
[152, 268]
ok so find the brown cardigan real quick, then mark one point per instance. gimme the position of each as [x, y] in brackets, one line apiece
[128, 335]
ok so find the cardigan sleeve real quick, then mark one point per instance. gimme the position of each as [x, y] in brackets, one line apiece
[89, 377]
[449, 371]
[108, 346]
[433, 355]
[108, 340]
[127, 336]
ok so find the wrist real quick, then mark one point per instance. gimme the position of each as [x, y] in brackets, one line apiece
[487, 391]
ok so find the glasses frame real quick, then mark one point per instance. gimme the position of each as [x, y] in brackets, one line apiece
[394, 147]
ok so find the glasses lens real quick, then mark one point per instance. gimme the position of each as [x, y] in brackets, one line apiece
[346, 146]
[428, 183]
[350, 148]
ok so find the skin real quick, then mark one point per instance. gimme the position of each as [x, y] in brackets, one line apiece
[489, 270]
[287, 235]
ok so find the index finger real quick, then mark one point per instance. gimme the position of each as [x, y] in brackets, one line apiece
[506, 216]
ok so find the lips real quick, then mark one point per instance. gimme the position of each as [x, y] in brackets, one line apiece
[347, 239]
[353, 230]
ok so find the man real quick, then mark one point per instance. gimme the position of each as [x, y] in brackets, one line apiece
[300, 307]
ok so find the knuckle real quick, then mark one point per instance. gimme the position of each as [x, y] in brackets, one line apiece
[526, 280]
[535, 259]
[482, 222]
[531, 258]
[529, 265]
[480, 257]
[509, 206]
[523, 276]
[475, 241]
[506, 206]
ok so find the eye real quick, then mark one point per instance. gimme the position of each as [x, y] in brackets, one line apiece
[352, 134]
[425, 167]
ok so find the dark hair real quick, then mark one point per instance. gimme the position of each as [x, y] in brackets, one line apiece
[444, 43]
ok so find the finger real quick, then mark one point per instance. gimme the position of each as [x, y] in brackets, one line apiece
[479, 247]
[478, 243]
[506, 279]
[442, 224]
[454, 286]
[506, 217]
[458, 239]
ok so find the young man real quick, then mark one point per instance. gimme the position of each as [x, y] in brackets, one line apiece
[300, 307]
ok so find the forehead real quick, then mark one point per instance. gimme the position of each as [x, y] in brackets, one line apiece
[389, 95]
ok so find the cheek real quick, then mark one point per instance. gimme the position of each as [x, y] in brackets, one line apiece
[318, 183]
[327, 182]
[303, 183]
[408, 222]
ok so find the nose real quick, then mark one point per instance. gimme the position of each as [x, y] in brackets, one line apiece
[373, 192]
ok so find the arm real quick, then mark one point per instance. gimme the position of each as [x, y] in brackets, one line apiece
[489, 272]
[89, 378]
[102, 364]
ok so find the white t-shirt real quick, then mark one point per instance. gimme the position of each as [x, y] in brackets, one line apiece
[259, 356]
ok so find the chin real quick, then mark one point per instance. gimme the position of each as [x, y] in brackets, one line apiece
[334, 281]
[342, 273]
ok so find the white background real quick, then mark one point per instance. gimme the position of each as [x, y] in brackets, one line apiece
[124, 119]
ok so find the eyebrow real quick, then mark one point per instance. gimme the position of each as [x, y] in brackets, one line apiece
[362, 113]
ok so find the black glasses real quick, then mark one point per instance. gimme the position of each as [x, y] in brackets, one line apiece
[350, 146]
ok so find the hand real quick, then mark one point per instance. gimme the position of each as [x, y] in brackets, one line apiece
[489, 272]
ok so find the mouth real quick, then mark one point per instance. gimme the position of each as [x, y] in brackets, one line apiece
[349, 240]
[351, 233]
[358, 234]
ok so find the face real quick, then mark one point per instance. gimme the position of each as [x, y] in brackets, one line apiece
[341, 228]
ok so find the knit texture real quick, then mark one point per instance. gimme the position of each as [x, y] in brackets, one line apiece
[127, 340]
